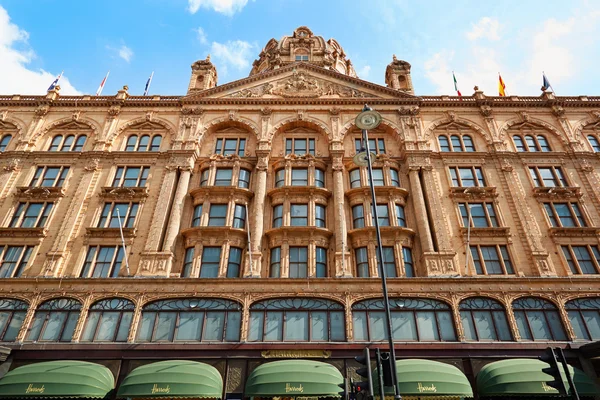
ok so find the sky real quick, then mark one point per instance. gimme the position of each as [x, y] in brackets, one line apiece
[133, 38]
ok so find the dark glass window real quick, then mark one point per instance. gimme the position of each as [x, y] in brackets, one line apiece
[230, 146]
[467, 176]
[223, 177]
[594, 142]
[13, 260]
[217, 215]
[31, 215]
[197, 218]
[389, 262]
[320, 215]
[358, 217]
[444, 143]
[108, 320]
[538, 319]
[582, 259]
[319, 178]
[378, 179]
[548, 176]
[383, 215]
[484, 319]
[376, 145]
[204, 177]
[131, 177]
[400, 218]
[234, 263]
[239, 216]
[115, 215]
[296, 320]
[362, 262]
[103, 262]
[478, 215]
[299, 177]
[298, 262]
[4, 142]
[531, 143]
[244, 179]
[211, 257]
[143, 143]
[12, 315]
[299, 215]
[277, 216]
[67, 143]
[409, 268]
[394, 177]
[49, 176]
[457, 143]
[300, 146]
[355, 178]
[491, 260]
[280, 178]
[188, 263]
[584, 315]
[564, 215]
[321, 262]
[54, 321]
[275, 270]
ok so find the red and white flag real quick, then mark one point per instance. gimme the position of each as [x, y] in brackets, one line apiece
[99, 91]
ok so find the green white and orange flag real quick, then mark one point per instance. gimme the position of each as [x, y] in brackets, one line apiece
[501, 86]
[456, 85]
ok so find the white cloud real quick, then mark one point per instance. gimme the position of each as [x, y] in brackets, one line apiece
[201, 35]
[227, 7]
[486, 28]
[15, 77]
[125, 53]
[364, 72]
[439, 73]
[236, 54]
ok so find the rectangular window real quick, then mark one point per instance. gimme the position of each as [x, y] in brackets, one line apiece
[548, 176]
[321, 260]
[131, 177]
[358, 217]
[355, 178]
[394, 178]
[362, 262]
[223, 177]
[378, 177]
[565, 215]
[319, 178]
[389, 262]
[49, 176]
[13, 260]
[188, 263]
[209, 268]
[383, 215]
[491, 260]
[275, 270]
[112, 213]
[234, 263]
[299, 177]
[301, 57]
[299, 215]
[280, 178]
[300, 146]
[217, 215]
[582, 259]
[197, 218]
[31, 215]
[103, 262]
[320, 216]
[244, 179]
[230, 146]
[376, 146]
[204, 177]
[467, 176]
[278, 216]
[409, 269]
[478, 215]
[298, 262]
[400, 218]
[239, 216]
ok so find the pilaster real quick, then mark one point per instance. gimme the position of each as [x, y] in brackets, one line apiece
[342, 253]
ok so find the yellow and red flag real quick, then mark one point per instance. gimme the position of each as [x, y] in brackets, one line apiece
[501, 86]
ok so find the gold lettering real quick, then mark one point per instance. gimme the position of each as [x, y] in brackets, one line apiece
[423, 388]
[156, 389]
[296, 354]
[289, 388]
[32, 389]
[548, 388]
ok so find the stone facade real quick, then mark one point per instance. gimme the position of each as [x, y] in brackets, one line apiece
[296, 120]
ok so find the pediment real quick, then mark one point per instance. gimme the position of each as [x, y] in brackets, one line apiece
[7, 126]
[73, 125]
[300, 80]
[453, 126]
[147, 125]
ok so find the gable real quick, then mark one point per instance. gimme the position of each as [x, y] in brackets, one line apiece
[72, 125]
[300, 80]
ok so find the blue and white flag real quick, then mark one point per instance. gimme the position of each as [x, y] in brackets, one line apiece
[55, 83]
[546, 83]
[148, 84]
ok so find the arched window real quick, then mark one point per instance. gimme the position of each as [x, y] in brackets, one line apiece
[594, 143]
[538, 319]
[296, 320]
[4, 142]
[12, 315]
[108, 320]
[55, 320]
[457, 143]
[484, 319]
[67, 143]
[413, 319]
[191, 320]
[531, 143]
[584, 315]
[143, 143]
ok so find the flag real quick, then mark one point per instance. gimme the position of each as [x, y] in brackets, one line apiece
[455, 85]
[55, 82]
[501, 86]
[546, 83]
[148, 84]
[99, 91]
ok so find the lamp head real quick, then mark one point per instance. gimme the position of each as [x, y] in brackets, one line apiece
[369, 119]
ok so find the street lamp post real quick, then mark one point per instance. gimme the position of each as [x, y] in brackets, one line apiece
[369, 119]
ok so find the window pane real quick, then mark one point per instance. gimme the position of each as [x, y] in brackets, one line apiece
[318, 320]
[13, 329]
[502, 325]
[36, 325]
[556, 325]
[468, 326]
[274, 326]
[578, 325]
[54, 326]
[337, 326]
[215, 322]
[524, 331]
[165, 326]
[146, 326]
[190, 326]
[124, 327]
[359, 325]
[256, 326]
[210, 262]
[446, 325]
[69, 327]
[377, 326]
[404, 326]
[296, 325]
[108, 326]
[485, 325]
[232, 332]
[592, 321]
[90, 327]
[538, 324]
[427, 325]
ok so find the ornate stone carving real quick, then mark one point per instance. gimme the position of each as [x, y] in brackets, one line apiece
[334, 111]
[524, 116]
[92, 165]
[14, 164]
[266, 111]
[76, 114]
[192, 111]
[409, 111]
[150, 115]
[41, 111]
[451, 116]
[559, 111]
[3, 115]
[114, 111]
[486, 111]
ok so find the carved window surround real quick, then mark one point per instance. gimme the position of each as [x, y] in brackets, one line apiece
[575, 232]
[214, 236]
[557, 193]
[389, 235]
[114, 233]
[220, 194]
[491, 232]
[382, 194]
[474, 193]
[40, 193]
[299, 236]
[299, 194]
[111, 193]
[35, 234]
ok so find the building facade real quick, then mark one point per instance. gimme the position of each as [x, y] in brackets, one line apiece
[231, 225]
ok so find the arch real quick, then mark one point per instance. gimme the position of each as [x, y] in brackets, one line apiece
[298, 302]
[386, 124]
[502, 132]
[183, 301]
[243, 123]
[412, 296]
[68, 123]
[123, 296]
[320, 297]
[553, 302]
[583, 123]
[125, 304]
[538, 319]
[12, 124]
[50, 297]
[454, 120]
[484, 319]
[141, 121]
[295, 122]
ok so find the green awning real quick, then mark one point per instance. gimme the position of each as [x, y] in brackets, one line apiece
[174, 378]
[294, 378]
[58, 379]
[426, 378]
[524, 377]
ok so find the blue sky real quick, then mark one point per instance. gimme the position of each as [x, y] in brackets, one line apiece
[132, 38]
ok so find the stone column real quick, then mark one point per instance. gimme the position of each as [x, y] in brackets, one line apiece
[257, 227]
[420, 210]
[342, 255]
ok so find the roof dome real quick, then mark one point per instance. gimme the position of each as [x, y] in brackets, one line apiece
[303, 46]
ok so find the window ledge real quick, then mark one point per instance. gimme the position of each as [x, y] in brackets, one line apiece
[575, 232]
[379, 191]
[500, 231]
[225, 192]
[110, 232]
[557, 193]
[299, 190]
[120, 193]
[38, 192]
[214, 236]
[23, 232]
[473, 192]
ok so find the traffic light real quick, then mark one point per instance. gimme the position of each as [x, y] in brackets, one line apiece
[365, 372]
[344, 392]
[386, 365]
[557, 382]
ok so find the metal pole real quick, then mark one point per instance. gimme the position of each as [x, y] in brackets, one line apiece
[123, 242]
[382, 273]
[378, 362]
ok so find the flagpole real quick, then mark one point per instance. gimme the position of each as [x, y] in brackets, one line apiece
[148, 84]
[123, 242]
[549, 84]
[101, 87]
